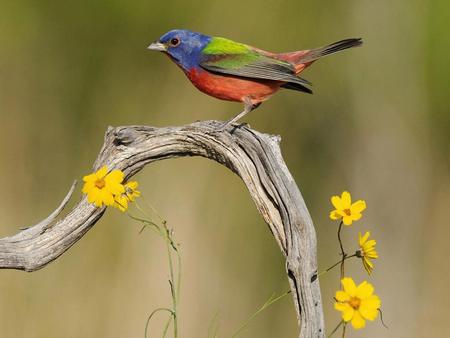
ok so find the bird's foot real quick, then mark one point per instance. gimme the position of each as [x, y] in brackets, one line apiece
[221, 127]
[248, 107]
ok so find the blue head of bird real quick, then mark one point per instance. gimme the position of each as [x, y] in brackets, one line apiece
[183, 46]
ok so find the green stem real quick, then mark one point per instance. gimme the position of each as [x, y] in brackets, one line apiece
[170, 245]
[146, 223]
[381, 318]
[335, 329]
[179, 276]
[342, 251]
[269, 302]
[334, 265]
[213, 326]
[166, 327]
[152, 314]
[153, 209]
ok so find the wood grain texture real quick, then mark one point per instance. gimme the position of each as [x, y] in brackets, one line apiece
[255, 157]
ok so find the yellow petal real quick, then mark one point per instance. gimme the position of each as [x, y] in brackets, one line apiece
[364, 290]
[368, 312]
[342, 296]
[358, 321]
[371, 243]
[347, 220]
[334, 215]
[106, 197]
[337, 203]
[121, 203]
[369, 249]
[349, 286]
[373, 302]
[341, 213]
[115, 176]
[90, 178]
[346, 200]
[101, 173]
[369, 246]
[131, 192]
[363, 239]
[116, 188]
[358, 206]
[88, 186]
[355, 216]
[135, 194]
[133, 185]
[93, 196]
[346, 309]
[368, 262]
[367, 265]
[340, 306]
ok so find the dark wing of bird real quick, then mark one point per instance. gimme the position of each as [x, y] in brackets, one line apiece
[254, 65]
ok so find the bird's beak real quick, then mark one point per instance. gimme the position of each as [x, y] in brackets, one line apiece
[158, 46]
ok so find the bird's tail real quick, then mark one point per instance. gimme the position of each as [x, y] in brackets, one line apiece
[317, 53]
[303, 58]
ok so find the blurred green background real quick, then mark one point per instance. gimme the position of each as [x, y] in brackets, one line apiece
[378, 125]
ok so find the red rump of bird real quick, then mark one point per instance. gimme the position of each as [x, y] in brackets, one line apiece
[233, 71]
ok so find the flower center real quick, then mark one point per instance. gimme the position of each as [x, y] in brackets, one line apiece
[100, 183]
[354, 302]
[347, 212]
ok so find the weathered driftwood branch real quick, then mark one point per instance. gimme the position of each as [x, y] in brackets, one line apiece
[253, 156]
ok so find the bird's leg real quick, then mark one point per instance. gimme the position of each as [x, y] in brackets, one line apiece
[248, 107]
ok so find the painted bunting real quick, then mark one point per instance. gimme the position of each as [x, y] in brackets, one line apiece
[233, 71]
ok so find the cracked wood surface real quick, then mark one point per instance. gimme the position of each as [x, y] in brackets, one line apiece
[255, 157]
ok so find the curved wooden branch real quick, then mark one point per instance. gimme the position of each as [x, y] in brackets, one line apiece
[253, 156]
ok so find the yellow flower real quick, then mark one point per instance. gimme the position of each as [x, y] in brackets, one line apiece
[101, 186]
[131, 190]
[357, 303]
[345, 209]
[121, 202]
[367, 251]
[129, 195]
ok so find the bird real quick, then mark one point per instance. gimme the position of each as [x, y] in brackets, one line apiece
[234, 71]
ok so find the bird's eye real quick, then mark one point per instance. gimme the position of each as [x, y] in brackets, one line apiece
[174, 42]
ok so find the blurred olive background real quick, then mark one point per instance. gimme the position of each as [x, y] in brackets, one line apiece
[378, 125]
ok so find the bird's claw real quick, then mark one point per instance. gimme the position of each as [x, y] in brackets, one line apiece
[221, 127]
[244, 124]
